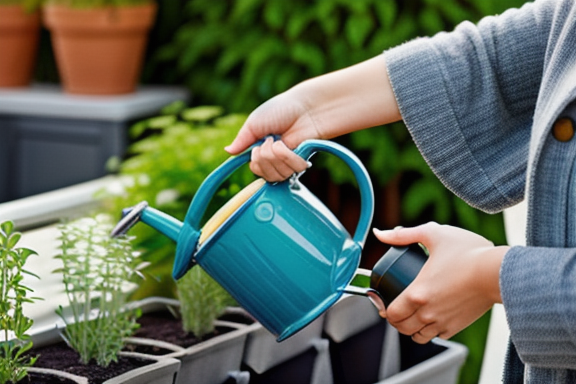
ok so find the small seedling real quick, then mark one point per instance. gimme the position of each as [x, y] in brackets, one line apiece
[13, 323]
[202, 300]
[98, 272]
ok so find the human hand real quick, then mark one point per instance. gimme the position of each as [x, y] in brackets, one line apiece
[324, 107]
[458, 283]
[286, 116]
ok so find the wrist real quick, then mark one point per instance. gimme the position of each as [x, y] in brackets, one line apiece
[490, 264]
[350, 99]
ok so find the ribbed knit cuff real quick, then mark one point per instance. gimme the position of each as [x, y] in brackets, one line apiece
[539, 304]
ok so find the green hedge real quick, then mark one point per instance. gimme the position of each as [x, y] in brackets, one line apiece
[238, 54]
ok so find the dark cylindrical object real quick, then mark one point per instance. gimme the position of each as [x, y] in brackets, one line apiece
[396, 270]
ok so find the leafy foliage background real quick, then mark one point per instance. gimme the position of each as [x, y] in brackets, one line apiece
[238, 54]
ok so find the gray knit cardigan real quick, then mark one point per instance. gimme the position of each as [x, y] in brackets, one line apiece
[480, 103]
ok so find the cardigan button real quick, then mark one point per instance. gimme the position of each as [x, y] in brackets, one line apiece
[563, 129]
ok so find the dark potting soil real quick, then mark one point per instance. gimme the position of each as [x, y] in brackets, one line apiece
[61, 357]
[39, 378]
[164, 326]
[156, 325]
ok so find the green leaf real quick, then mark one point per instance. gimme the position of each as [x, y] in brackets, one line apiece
[357, 29]
[7, 227]
[455, 12]
[298, 22]
[425, 193]
[174, 108]
[327, 15]
[467, 216]
[244, 7]
[430, 19]
[310, 56]
[203, 113]
[29, 273]
[13, 240]
[411, 159]
[205, 40]
[387, 11]
[267, 49]
[137, 129]
[274, 13]
[286, 78]
[161, 122]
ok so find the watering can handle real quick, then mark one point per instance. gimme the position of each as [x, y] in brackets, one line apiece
[309, 147]
[305, 150]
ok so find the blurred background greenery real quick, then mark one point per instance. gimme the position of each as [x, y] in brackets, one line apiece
[237, 54]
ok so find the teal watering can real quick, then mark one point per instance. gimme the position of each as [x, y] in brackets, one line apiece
[275, 247]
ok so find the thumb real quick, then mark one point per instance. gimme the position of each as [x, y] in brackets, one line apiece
[244, 139]
[399, 235]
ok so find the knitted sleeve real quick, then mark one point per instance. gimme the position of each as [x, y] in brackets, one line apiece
[468, 97]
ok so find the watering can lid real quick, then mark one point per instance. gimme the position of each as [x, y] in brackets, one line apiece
[229, 208]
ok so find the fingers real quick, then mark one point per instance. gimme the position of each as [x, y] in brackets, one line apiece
[425, 334]
[378, 303]
[274, 161]
[410, 316]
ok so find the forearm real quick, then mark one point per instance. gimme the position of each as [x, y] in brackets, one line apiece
[350, 99]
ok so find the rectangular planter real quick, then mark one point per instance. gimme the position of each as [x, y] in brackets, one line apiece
[160, 370]
[302, 358]
[365, 349]
[210, 362]
[438, 362]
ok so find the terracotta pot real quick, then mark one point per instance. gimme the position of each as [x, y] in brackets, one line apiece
[99, 51]
[19, 33]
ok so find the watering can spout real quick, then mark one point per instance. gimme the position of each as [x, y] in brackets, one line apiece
[160, 221]
[184, 235]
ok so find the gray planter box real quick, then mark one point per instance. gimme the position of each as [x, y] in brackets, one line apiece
[210, 362]
[52, 140]
[303, 357]
[441, 365]
[364, 349]
[161, 370]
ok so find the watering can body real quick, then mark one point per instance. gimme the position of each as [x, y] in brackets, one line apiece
[278, 250]
[283, 256]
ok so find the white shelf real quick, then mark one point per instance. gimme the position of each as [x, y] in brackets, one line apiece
[51, 101]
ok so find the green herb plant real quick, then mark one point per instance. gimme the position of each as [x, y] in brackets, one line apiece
[98, 271]
[202, 300]
[13, 323]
